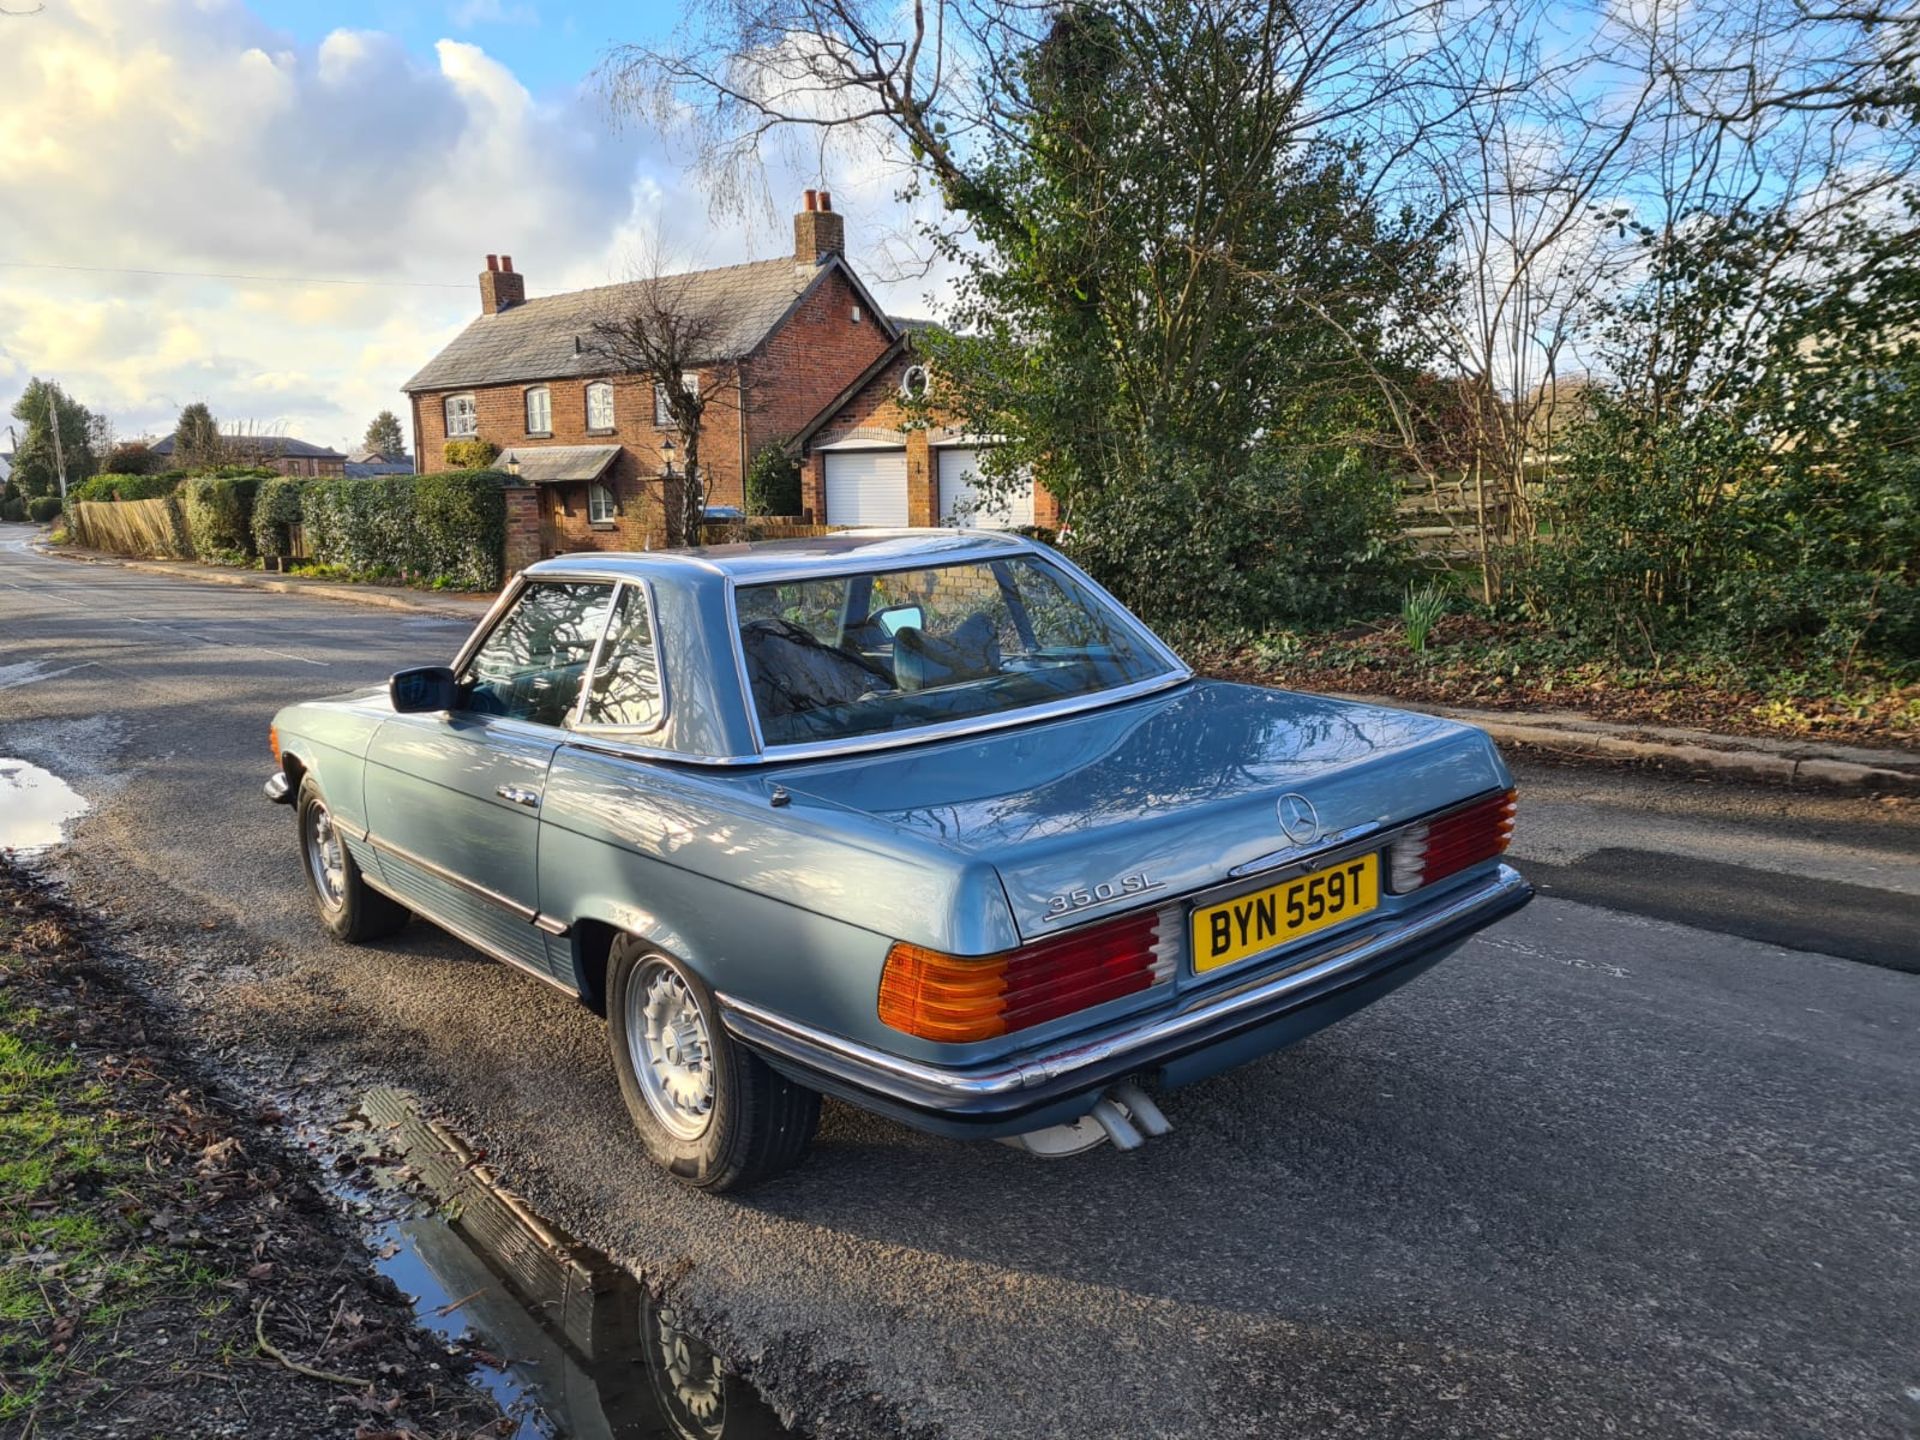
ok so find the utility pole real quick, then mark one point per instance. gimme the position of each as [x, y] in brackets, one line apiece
[59, 454]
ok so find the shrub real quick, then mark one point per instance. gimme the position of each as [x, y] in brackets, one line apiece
[471, 454]
[13, 509]
[1421, 610]
[131, 457]
[126, 487]
[1271, 540]
[773, 483]
[450, 524]
[220, 515]
[276, 505]
[43, 508]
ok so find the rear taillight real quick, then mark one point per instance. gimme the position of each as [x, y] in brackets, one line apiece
[957, 998]
[1448, 844]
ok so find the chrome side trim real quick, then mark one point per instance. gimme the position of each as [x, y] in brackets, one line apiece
[556, 928]
[979, 725]
[941, 1087]
[440, 872]
[467, 937]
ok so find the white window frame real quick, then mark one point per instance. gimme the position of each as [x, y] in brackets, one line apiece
[603, 387]
[464, 406]
[545, 395]
[662, 416]
[601, 507]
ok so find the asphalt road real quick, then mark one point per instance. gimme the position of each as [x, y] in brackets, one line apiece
[1648, 1166]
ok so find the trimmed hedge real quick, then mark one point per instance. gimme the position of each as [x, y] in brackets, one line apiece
[126, 487]
[277, 505]
[449, 526]
[220, 515]
[13, 509]
[43, 508]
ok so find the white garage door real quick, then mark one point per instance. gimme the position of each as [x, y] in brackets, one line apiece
[866, 487]
[960, 503]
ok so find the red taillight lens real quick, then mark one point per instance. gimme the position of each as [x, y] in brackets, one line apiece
[957, 998]
[1449, 843]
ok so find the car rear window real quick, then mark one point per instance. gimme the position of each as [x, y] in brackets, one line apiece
[881, 652]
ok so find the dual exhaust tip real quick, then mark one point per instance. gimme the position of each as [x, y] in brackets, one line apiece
[1125, 1117]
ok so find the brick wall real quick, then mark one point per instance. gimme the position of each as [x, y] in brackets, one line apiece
[809, 360]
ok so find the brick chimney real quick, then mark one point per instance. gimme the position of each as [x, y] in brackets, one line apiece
[817, 231]
[500, 287]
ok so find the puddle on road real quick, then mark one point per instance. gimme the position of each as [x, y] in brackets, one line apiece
[569, 1343]
[36, 807]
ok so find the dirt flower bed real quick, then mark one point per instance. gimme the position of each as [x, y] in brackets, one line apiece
[1473, 662]
[167, 1268]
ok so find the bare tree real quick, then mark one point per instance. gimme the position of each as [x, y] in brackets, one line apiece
[673, 330]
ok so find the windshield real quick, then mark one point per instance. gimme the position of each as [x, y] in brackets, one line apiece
[873, 653]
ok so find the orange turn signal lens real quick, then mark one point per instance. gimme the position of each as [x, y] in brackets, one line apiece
[273, 742]
[960, 998]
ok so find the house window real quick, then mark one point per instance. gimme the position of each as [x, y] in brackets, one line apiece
[539, 411]
[463, 417]
[600, 406]
[662, 412]
[599, 504]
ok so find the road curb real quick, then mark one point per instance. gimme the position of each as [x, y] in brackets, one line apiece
[470, 610]
[1804, 772]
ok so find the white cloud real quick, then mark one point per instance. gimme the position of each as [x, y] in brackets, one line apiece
[187, 135]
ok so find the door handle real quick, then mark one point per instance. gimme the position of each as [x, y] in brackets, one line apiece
[519, 795]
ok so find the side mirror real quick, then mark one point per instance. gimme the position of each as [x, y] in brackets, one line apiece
[901, 617]
[424, 688]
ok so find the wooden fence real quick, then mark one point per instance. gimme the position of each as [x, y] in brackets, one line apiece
[772, 527]
[154, 528]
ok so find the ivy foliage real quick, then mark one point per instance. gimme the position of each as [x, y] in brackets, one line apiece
[473, 453]
[773, 482]
[448, 526]
[219, 510]
[276, 506]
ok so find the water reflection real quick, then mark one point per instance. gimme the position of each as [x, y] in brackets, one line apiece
[35, 807]
[569, 1343]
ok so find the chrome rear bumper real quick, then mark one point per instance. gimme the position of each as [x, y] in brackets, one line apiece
[1322, 979]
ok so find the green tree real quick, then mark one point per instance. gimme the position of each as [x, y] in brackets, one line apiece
[384, 436]
[196, 439]
[1751, 478]
[38, 460]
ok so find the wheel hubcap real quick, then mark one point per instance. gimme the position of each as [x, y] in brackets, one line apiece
[671, 1050]
[326, 857]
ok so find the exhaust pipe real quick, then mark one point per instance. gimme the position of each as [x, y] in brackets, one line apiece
[1113, 1120]
[1140, 1106]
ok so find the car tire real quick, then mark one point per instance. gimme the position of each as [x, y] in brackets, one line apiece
[711, 1112]
[351, 909]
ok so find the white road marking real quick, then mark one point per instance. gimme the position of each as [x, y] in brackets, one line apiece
[28, 672]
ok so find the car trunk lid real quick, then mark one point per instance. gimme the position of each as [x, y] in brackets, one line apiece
[1097, 813]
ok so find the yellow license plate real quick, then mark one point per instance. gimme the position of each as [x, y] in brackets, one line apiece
[1252, 924]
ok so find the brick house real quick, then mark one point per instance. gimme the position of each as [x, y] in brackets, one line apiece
[274, 452]
[883, 452]
[596, 447]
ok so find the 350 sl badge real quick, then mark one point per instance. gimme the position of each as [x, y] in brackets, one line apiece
[1068, 902]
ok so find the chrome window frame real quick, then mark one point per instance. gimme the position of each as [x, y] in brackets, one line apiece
[498, 612]
[1176, 672]
[578, 723]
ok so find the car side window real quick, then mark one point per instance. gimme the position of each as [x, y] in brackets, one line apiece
[626, 685]
[531, 665]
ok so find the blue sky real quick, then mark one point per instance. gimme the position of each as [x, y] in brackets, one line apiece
[385, 143]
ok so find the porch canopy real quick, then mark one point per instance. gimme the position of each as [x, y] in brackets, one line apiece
[552, 464]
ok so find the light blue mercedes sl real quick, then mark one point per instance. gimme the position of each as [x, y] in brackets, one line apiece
[922, 820]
